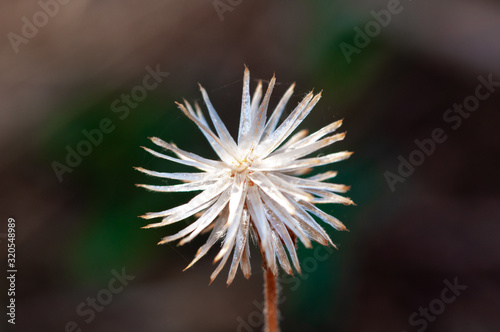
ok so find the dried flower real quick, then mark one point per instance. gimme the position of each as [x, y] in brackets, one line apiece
[255, 190]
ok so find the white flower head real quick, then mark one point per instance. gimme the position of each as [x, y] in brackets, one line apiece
[255, 189]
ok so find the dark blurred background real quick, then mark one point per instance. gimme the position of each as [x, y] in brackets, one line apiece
[410, 238]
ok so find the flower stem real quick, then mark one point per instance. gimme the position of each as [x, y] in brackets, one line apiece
[271, 301]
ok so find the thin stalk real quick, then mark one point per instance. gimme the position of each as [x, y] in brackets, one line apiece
[271, 301]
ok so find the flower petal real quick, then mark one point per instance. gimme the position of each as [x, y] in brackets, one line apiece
[281, 253]
[289, 188]
[192, 163]
[284, 234]
[292, 140]
[179, 176]
[283, 215]
[200, 224]
[331, 220]
[311, 184]
[184, 155]
[208, 217]
[223, 150]
[323, 176]
[296, 153]
[220, 266]
[236, 203]
[246, 115]
[270, 188]
[328, 197]
[240, 245]
[245, 260]
[278, 111]
[218, 124]
[288, 126]
[286, 166]
[259, 219]
[257, 123]
[257, 96]
[190, 186]
[217, 233]
[317, 135]
[196, 204]
[310, 226]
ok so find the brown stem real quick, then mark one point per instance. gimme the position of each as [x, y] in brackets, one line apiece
[271, 301]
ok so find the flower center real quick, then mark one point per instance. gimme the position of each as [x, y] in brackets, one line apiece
[242, 165]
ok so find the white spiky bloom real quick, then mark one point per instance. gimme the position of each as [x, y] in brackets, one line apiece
[255, 189]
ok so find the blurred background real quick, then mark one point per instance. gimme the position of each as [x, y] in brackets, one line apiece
[391, 69]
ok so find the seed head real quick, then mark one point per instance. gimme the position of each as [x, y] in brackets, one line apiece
[258, 188]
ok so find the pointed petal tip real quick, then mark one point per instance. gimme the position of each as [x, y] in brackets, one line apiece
[219, 256]
[330, 243]
[153, 225]
[148, 227]
[192, 262]
[346, 201]
[324, 242]
[147, 216]
[156, 140]
[229, 282]
[349, 202]
[183, 241]
[336, 137]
